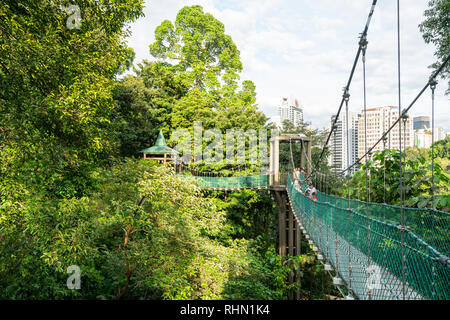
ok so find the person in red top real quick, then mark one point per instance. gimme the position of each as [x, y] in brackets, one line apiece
[313, 197]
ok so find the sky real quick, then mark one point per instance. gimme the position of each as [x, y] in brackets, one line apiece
[305, 49]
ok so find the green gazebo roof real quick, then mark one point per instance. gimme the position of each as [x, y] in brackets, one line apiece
[160, 146]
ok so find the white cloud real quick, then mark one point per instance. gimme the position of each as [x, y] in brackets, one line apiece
[306, 48]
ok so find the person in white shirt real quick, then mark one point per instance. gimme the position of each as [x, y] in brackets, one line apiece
[312, 189]
[296, 174]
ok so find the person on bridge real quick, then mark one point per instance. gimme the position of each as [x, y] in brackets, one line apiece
[296, 174]
[296, 184]
[311, 188]
[307, 193]
[314, 198]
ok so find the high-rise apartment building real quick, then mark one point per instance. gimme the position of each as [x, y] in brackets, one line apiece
[290, 110]
[379, 120]
[439, 134]
[344, 152]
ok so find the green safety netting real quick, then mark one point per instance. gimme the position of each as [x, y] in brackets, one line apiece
[247, 182]
[374, 255]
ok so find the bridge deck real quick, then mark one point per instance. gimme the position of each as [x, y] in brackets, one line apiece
[381, 283]
[375, 257]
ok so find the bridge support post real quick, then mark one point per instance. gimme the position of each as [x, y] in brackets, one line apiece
[303, 162]
[291, 230]
[291, 244]
[274, 166]
[308, 166]
[289, 239]
[280, 197]
[289, 235]
[298, 251]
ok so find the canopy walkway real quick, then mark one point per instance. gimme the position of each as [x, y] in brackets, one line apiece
[366, 251]
[377, 251]
[232, 183]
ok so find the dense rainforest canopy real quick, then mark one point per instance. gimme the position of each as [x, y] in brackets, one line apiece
[72, 191]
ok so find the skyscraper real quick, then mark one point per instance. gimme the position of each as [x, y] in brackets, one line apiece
[290, 110]
[345, 152]
[379, 120]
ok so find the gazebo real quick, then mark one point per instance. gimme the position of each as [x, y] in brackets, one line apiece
[160, 151]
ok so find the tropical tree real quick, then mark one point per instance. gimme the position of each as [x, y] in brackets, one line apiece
[197, 41]
[207, 59]
[144, 105]
[435, 29]
[56, 89]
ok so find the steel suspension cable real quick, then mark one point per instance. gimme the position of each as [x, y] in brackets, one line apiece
[355, 62]
[384, 173]
[348, 237]
[388, 132]
[402, 225]
[315, 170]
[347, 98]
[335, 217]
[370, 159]
[389, 124]
[326, 219]
[363, 44]
[433, 84]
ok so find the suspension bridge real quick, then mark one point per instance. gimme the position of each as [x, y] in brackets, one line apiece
[363, 245]
[374, 250]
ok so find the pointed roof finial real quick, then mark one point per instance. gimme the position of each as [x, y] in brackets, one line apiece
[160, 141]
[160, 146]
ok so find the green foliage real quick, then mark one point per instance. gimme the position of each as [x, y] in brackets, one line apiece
[249, 214]
[208, 63]
[198, 42]
[265, 278]
[441, 149]
[383, 179]
[67, 197]
[144, 105]
[166, 85]
[55, 89]
[315, 283]
[143, 221]
[435, 29]
[134, 121]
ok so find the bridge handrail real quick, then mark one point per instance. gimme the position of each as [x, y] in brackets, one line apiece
[239, 182]
[428, 269]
